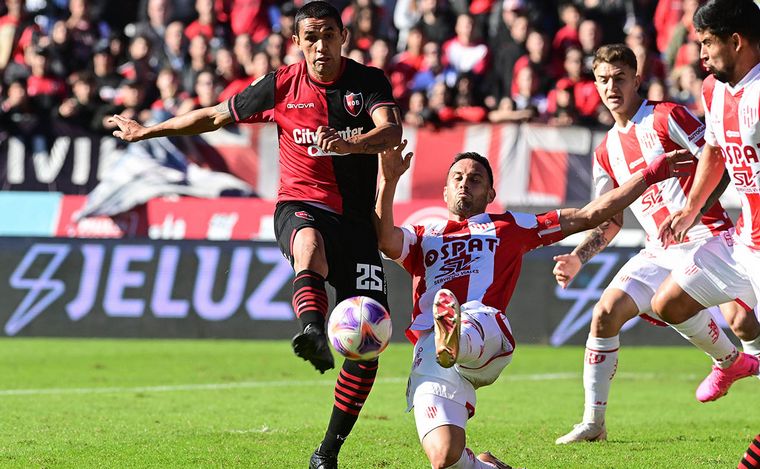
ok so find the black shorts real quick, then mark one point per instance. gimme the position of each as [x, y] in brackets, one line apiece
[353, 260]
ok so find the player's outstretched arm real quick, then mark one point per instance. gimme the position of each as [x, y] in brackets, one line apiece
[672, 164]
[392, 165]
[194, 122]
[708, 177]
[568, 265]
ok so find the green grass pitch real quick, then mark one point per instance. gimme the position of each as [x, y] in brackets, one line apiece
[147, 403]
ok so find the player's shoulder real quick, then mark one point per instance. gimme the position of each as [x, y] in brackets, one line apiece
[600, 152]
[522, 220]
[363, 73]
[708, 89]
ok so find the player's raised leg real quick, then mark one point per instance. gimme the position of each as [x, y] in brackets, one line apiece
[600, 360]
[310, 298]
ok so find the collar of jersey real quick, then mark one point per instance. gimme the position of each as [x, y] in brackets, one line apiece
[329, 83]
[751, 75]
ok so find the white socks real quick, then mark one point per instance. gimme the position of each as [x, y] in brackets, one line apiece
[469, 461]
[599, 367]
[752, 347]
[702, 331]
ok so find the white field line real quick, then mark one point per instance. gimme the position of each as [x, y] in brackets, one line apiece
[304, 383]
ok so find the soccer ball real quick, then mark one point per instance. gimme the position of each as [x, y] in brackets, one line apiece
[359, 328]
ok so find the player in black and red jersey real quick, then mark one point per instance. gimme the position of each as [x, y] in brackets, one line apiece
[334, 116]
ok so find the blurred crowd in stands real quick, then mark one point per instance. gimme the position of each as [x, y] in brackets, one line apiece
[448, 60]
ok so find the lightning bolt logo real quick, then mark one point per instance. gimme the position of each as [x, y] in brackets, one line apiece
[43, 289]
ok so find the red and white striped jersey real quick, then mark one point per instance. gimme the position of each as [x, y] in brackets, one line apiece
[657, 128]
[478, 259]
[732, 124]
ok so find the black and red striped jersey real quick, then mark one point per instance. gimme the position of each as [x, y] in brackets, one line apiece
[300, 104]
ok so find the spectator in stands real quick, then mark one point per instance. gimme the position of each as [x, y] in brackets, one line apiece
[567, 35]
[208, 25]
[60, 50]
[199, 60]
[657, 91]
[406, 64]
[681, 34]
[129, 103]
[649, 63]
[16, 30]
[419, 114]
[16, 112]
[243, 50]
[435, 24]
[686, 88]
[83, 32]
[154, 28]
[83, 107]
[250, 17]
[561, 108]
[529, 94]
[174, 48]
[275, 48]
[539, 58]
[358, 56]
[465, 107]
[170, 96]
[45, 90]
[206, 93]
[379, 56]
[433, 71]
[287, 19]
[585, 98]
[106, 79]
[406, 15]
[506, 112]
[590, 37]
[364, 28]
[507, 47]
[666, 17]
[141, 65]
[463, 52]
[227, 68]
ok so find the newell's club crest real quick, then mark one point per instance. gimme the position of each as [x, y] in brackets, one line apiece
[353, 102]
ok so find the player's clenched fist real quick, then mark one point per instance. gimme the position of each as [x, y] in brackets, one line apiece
[328, 139]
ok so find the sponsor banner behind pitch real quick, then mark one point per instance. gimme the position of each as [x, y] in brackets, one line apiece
[198, 289]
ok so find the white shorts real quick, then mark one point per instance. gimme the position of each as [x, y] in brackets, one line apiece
[643, 274]
[450, 392]
[720, 271]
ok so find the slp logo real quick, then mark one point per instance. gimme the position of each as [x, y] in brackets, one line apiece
[594, 358]
[651, 198]
[353, 102]
[304, 215]
[743, 176]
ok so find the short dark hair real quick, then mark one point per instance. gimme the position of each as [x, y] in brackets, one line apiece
[615, 53]
[471, 155]
[318, 10]
[726, 17]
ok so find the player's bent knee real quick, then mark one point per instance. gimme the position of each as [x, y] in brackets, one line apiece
[673, 304]
[743, 323]
[444, 446]
[309, 251]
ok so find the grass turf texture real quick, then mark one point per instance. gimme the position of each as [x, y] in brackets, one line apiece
[151, 403]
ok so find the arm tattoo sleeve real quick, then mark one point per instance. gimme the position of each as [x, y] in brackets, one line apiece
[594, 243]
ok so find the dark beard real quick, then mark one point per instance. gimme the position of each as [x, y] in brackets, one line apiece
[720, 76]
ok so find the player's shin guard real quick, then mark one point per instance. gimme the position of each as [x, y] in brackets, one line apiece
[599, 367]
[702, 331]
[751, 458]
[310, 299]
[351, 390]
[469, 461]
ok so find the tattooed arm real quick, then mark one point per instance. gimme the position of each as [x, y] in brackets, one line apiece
[568, 265]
